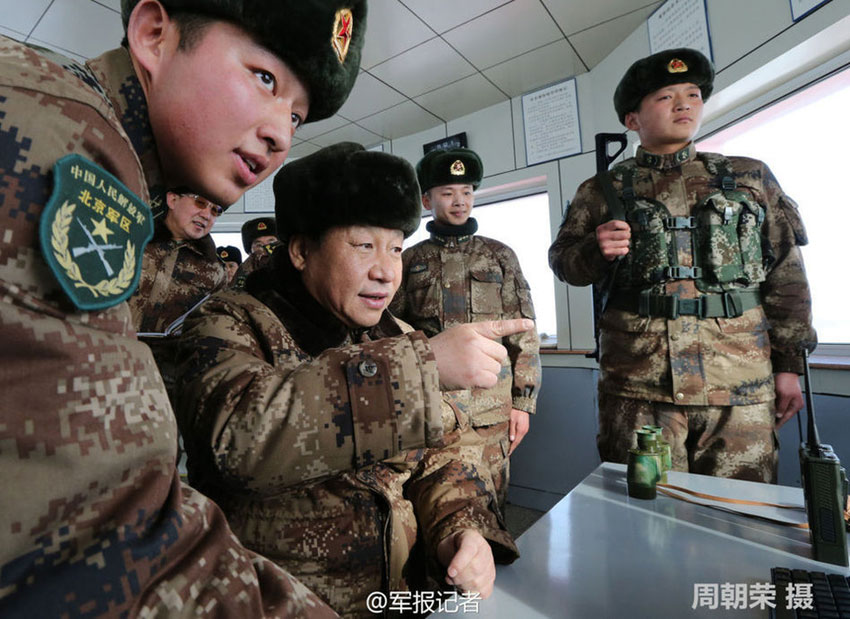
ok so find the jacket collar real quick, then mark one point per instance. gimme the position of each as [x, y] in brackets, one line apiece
[314, 328]
[666, 162]
[114, 70]
[449, 235]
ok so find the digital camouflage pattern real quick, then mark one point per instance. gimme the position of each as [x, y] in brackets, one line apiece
[711, 365]
[451, 280]
[95, 521]
[176, 275]
[693, 361]
[331, 452]
[724, 441]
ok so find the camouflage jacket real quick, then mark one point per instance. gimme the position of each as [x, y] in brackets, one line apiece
[693, 361]
[453, 279]
[176, 275]
[255, 261]
[330, 451]
[95, 521]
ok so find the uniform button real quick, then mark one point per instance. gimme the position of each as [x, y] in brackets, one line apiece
[368, 368]
[675, 337]
[680, 396]
[447, 285]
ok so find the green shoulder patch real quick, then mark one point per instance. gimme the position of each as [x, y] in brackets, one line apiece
[93, 233]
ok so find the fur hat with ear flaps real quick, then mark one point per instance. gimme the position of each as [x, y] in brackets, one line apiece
[346, 185]
[255, 228]
[671, 66]
[450, 167]
[319, 40]
[229, 253]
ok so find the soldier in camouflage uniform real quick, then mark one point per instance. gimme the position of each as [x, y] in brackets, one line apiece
[315, 418]
[259, 238]
[457, 277]
[231, 257]
[180, 266]
[180, 269]
[95, 521]
[709, 307]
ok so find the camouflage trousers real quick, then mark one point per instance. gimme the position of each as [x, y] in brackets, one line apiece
[496, 447]
[739, 442]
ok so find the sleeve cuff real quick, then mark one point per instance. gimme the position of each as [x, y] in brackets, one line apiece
[529, 405]
[786, 363]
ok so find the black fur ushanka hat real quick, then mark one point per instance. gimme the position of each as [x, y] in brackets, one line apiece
[346, 185]
[450, 167]
[319, 40]
[672, 66]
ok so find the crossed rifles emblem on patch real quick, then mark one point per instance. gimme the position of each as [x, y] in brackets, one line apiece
[101, 229]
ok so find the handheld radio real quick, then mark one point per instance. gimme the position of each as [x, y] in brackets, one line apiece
[824, 487]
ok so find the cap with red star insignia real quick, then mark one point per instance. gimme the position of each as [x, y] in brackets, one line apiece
[672, 66]
[319, 40]
[449, 167]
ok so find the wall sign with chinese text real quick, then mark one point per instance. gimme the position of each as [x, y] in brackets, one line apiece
[551, 121]
[680, 23]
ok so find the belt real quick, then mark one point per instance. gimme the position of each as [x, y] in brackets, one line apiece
[722, 305]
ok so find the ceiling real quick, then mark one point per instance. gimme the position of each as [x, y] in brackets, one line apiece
[425, 62]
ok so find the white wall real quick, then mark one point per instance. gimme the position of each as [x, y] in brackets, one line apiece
[759, 54]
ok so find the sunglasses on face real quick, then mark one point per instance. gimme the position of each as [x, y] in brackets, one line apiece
[202, 203]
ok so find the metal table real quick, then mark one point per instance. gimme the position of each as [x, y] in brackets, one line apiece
[599, 553]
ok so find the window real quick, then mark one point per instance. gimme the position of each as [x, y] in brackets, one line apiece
[804, 140]
[523, 225]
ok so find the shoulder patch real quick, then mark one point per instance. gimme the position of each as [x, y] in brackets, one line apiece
[93, 233]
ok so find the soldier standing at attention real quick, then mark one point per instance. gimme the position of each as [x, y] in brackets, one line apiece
[709, 307]
[315, 418]
[205, 95]
[232, 258]
[457, 277]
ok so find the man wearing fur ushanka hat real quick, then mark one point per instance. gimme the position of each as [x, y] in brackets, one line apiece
[316, 417]
[458, 276]
[709, 306]
[204, 95]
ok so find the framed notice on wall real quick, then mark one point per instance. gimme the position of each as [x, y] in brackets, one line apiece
[680, 23]
[550, 119]
[801, 8]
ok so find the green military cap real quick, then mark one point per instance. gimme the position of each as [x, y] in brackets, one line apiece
[672, 66]
[346, 185]
[255, 228]
[229, 253]
[319, 40]
[449, 167]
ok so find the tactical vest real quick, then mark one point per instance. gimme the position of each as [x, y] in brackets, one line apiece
[726, 236]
